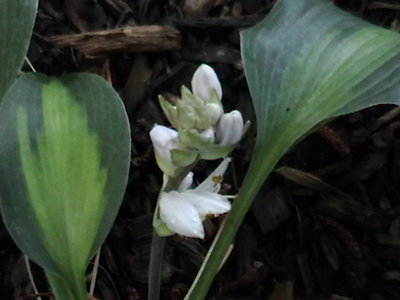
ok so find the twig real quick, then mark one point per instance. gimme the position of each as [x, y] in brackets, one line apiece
[94, 273]
[376, 5]
[149, 38]
[28, 268]
[30, 64]
[386, 118]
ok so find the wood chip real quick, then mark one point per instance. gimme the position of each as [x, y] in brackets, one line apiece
[337, 297]
[271, 210]
[223, 22]
[138, 82]
[334, 139]
[308, 180]
[152, 38]
[392, 275]
[283, 291]
[197, 7]
[211, 54]
[119, 6]
[86, 15]
[306, 274]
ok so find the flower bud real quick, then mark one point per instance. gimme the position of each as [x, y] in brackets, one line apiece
[164, 141]
[205, 82]
[229, 129]
[215, 111]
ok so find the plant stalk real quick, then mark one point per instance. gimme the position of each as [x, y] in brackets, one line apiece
[158, 242]
[155, 269]
[62, 291]
[217, 252]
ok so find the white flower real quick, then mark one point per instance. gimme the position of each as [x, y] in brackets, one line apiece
[204, 82]
[229, 129]
[184, 210]
[164, 140]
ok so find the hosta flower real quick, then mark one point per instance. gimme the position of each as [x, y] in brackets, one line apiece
[184, 210]
[164, 140]
[229, 129]
[206, 86]
[228, 132]
[168, 151]
[205, 82]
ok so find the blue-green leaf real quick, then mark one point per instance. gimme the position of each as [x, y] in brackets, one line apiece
[306, 62]
[64, 159]
[16, 24]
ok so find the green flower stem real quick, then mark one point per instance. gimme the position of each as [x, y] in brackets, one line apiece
[158, 242]
[155, 268]
[62, 291]
[217, 252]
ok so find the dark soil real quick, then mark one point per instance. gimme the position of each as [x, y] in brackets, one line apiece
[326, 224]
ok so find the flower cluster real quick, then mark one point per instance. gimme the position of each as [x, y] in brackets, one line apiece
[201, 131]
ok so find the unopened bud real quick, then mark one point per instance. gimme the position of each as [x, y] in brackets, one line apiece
[215, 111]
[205, 82]
[164, 141]
[229, 128]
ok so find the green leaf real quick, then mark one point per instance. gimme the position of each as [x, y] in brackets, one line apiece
[306, 62]
[16, 24]
[64, 159]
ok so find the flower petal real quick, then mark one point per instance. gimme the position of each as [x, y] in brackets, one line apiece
[207, 203]
[204, 81]
[186, 182]
[213, 182]
[180, 215]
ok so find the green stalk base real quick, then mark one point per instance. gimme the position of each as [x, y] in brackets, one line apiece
[62, 291]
